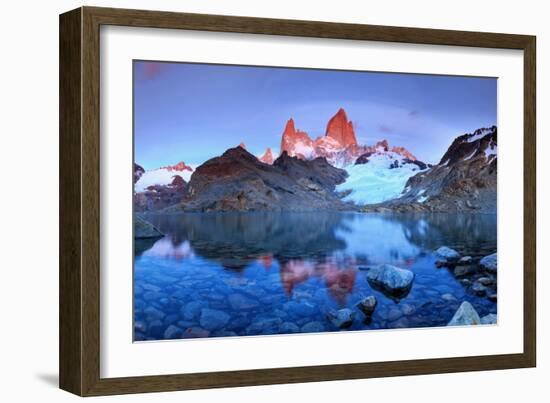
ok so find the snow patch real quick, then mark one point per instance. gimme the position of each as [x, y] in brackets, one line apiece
[375, 182]
[161, 176]
[422, 199]
[491, 150]
[479, 135]
[469, 157]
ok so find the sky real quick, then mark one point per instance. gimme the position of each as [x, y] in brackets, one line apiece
[193, 112]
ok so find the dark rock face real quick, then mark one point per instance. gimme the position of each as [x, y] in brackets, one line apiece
[238, 181]
[464, 180]
[158, 197]
[138, 171]
[363, 158]
[318, 171]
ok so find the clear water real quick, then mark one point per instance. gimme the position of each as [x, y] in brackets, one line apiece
[274, 273]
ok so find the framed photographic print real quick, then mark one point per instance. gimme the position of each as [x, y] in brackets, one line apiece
[251, 201]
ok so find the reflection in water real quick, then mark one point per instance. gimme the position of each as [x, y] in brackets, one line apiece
[264, 273]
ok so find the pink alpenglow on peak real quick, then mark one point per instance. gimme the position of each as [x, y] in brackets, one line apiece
[295, 142]
[339, 144]
[404, 152]
[179, 167]
[267, 158]
[341, 129]
[242, 145]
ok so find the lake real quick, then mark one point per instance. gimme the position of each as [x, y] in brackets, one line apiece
[238, 274]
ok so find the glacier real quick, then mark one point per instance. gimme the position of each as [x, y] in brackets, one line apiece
[374, 182]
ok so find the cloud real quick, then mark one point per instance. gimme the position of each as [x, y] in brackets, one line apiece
[385, 129]
[151, 70]
[413, 114]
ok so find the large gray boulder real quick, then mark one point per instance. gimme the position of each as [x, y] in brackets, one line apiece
[391, 280]
[466, 315]
[489, 263]
[448, 254]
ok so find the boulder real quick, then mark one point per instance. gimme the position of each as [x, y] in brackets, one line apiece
[367, 305]
[466, 315]
[465, 260]
[342, 318]
[195, 333]
[144, 229]
[448, 254]
[479, 289]
[212, 319]
[391, 280]
[489, 263]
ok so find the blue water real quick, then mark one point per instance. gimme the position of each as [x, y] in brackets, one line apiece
[236, 274]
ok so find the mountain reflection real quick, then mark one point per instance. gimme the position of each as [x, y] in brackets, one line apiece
[325, 246]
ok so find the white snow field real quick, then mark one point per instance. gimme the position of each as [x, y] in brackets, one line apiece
[374, 182]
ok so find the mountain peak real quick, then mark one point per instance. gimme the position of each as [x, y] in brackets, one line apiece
[267, 158]
[341, 129]
[179, 167]
[296, 142]
[242, 145]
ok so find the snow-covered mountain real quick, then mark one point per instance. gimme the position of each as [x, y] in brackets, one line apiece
[465, 178]
[162, 176]
[338, 145]
[378, 176]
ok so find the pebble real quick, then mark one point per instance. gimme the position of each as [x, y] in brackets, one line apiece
[173, 332]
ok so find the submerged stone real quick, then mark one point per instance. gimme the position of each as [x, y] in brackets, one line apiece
[313, 327]
[367, 305]
[173, 332]
[490, 319]
[342, 318]
[465, 315]
[212, 319]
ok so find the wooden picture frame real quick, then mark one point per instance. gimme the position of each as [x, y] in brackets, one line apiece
[79, 346]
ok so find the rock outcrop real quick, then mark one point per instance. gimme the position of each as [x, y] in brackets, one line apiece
[341, 129]
[138, 171]
[464, 180]
[238, 181]
[158, 197]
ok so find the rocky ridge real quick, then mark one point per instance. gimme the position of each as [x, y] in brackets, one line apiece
[238, 181]
[465, 179]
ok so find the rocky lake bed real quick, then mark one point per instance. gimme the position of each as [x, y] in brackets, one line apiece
[244, 274]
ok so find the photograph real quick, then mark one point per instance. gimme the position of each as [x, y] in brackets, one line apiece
[275, 200]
